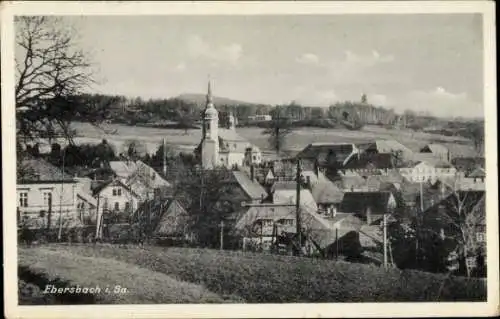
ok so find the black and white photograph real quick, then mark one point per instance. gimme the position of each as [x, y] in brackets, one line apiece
[175, 157]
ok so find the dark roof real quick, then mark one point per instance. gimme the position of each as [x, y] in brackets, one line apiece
[39, 170]
[321, 151]
[366, 161]
[358, 202]
[252, 188]
[434, 148]
[168, 216]
[468, 163]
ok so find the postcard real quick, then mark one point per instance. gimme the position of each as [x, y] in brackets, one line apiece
[249, 159]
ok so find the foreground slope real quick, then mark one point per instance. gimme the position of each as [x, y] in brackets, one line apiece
[272, 278]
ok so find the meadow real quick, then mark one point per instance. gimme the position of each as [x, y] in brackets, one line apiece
[203, 274]
[296, 141]
[63, 268]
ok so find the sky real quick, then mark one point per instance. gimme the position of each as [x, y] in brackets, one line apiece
[423, 62]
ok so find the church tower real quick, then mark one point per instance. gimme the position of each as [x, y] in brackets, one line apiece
[210, 143]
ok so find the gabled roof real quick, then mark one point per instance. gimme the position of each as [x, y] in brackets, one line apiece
[434, 148]
[365, 161]
[385, 146]
[252, 188]
[321, 151]
[478, 173]
[88, 198]
[326, 192]
[430, 159]
[358, 202]
[39, 170]
[131, 170]
[114, 182]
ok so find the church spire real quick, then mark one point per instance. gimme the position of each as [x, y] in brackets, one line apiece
[209, 94]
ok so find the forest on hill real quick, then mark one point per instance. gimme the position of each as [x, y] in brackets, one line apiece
[184, 112]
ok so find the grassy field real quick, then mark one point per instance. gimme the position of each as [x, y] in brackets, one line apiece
[299, 139]
[276, 279]
[62, 268]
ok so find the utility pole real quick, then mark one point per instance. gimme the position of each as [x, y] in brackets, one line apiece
[221, 225]
[59, 233]
[297, 208]
[385, 240]
[97, 220]
[164, 157]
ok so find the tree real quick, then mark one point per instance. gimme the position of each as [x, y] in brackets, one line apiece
[208, 197]
[134, 149]
[186, 116]
[332, 165]
[364, 99]
[477, 136]
[465, 215]
[279, 130]
[50, 72]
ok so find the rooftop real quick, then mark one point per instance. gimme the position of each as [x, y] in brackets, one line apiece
[38, 170]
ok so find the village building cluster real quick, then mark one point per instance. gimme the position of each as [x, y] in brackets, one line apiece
[371, 179]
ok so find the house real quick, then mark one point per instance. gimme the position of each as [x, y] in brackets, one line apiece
[468, 164]
[286, 193]
[260, 118]
[166, 217]
[428, 168]
[220, 146]
[385, 147]
[438, 150]
[116, 198]
[352, 183]
[248, 189]
[327, 196]
[326, 152]
[140, 177]
[368, 164]
[261, 225]
[370, 206]
[474, 180]
[46, 196]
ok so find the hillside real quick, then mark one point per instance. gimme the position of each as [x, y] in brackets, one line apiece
[202, 274]
[200, 100]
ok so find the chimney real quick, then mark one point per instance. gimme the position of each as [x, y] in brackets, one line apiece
[368, 215]
[252, 173]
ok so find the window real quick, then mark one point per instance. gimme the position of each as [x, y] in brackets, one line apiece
[47, 199]
[117, 206]
[23, 199]
[114, 191]
[127, 206]
[117, 192]
[481, 237]
[254, 158]
[234, 145]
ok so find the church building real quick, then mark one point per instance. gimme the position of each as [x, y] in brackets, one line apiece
[223, 147]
